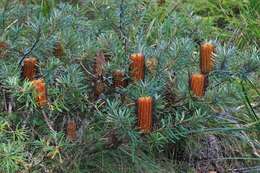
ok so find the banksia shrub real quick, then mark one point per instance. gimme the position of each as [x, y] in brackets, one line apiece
[84, 54]
[71, 130]
[58, 50]
[29, 68]
[137, 66]
[119, 80]
[197, 84]
[206, 57]
[41, 94]
[144, 112]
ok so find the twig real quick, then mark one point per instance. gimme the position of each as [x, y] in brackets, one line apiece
[48, 122]
[11, 24]
[5, 100]
[248, 101]
[130, 104]
[255, 88]
[231, 76]
[33, 46]
[86, 70]
[246, 169]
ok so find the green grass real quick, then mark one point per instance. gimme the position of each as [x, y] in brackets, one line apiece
[235, 21]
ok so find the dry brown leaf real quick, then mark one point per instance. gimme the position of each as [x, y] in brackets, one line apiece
[100, 62]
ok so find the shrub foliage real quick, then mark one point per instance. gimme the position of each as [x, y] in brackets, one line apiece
[89, 125]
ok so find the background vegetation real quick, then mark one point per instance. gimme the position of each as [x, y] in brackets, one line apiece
[219, 132]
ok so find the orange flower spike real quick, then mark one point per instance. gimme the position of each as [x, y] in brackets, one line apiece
[118, 79]
[137, 66]
[72, 130]
[29, 68]
[144, 111]
[197, 84]
[206, 57]
[40, 87]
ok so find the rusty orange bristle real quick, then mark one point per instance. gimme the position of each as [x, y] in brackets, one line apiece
[137, 67]
[144, 111]
[29, 68]
[40, 87]
[206, 58]
[197, 84]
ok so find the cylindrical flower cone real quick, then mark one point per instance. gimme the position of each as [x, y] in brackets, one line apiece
[206, 58]
[145, 111]
[41, 94]
[119, 80]
[58, 50]
[29, 68]
[198, 84]
[137, 67]
[72, 130]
